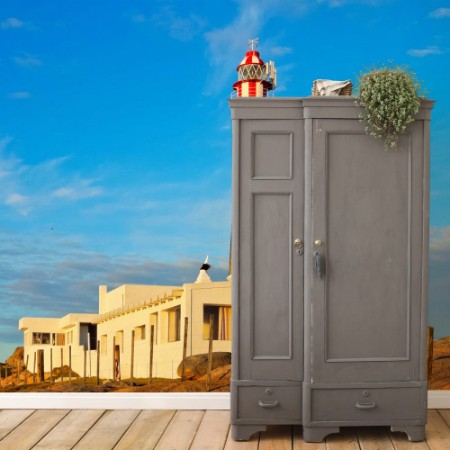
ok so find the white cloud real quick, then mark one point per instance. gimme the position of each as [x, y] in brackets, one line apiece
[341, 3]
[280, 51]
[420, 53]
[19, 95]
[439, 280]
[41, 283]
[51, 164]
[19, 202]
[27, 60]
[40, 185]
[440, 13]
[78, 191]
[11, 22]
[180, 28]
[440, 239]
[15, 199]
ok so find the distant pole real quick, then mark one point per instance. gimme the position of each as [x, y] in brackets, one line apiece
[98, 362]
[210, 349]
[84, 366]
[51, 365]
[430, 354]
[40, 365]
[152, 339]
[113, 359]
[132, 356]
[186, 321]
[70, 364]
[117, 375]
[89, 351]
[62, 365]
[26, 368]
[34, 368]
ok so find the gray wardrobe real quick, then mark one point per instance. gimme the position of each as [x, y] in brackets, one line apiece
[330, 258]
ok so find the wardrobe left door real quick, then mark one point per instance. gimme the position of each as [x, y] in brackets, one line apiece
[268, 294]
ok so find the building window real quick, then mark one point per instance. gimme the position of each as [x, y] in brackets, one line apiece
[174, 316]
[103, 345]
[139, 333]
[58, 339]
[221, 323]
[88, 336]
[69, 336]
[41, 338]
[119, 340]
[47, 339]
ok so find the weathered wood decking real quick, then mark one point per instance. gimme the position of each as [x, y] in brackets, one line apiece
[195, 430]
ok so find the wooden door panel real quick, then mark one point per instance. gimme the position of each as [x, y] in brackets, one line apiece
[270, 269]
[367, 210]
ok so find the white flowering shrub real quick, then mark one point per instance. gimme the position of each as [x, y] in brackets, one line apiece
[391, 99]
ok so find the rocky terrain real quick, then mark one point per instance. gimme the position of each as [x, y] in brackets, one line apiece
[440, 377]
[20, 380]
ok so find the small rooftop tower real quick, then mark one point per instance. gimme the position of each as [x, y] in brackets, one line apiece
[203, 277]
[255, 79]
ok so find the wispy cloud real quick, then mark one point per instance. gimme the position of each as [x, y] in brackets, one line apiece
[440, 240]
[19, 202]
[341, 3]
[19, 95]
[280, 51]
[422, 52]
[11, 22]
[27, 60]
[15, 199]
[439, 284]
[139, 18]
[226, 45]
[27, 187]
[440, 13]
[39, 283]
[179, 27]
[79, 190]
[4, 141]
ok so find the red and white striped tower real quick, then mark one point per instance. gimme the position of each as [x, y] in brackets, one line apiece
[255, 79]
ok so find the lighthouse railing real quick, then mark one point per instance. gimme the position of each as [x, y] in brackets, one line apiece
[266, 92]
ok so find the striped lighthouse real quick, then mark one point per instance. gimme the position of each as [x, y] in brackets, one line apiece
[255, 78]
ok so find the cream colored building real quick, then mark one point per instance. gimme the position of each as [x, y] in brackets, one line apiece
[122, 329]
[56, 336]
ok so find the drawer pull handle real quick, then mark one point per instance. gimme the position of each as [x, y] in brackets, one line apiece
[366, 405]
[266, 404]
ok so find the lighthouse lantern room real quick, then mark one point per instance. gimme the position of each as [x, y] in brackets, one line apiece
[255, 78]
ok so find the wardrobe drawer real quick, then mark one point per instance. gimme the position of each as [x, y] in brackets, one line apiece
[269, 403]
[380, 405]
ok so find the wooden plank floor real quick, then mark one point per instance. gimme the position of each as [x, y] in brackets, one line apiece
[195, 430]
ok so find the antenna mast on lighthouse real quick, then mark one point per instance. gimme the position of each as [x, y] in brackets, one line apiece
[252, 43]
[255, 78]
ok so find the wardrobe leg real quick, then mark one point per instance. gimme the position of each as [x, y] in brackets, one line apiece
[244, 432]
[415, 433]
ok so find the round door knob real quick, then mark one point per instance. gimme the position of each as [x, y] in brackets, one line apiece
[298, 243]
[318, 243]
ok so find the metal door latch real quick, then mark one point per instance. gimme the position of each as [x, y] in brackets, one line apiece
[319, 264]
[298, 244]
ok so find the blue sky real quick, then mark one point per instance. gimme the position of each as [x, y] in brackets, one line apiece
[115, 138]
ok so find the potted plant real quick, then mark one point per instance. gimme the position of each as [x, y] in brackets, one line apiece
[390, 97]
